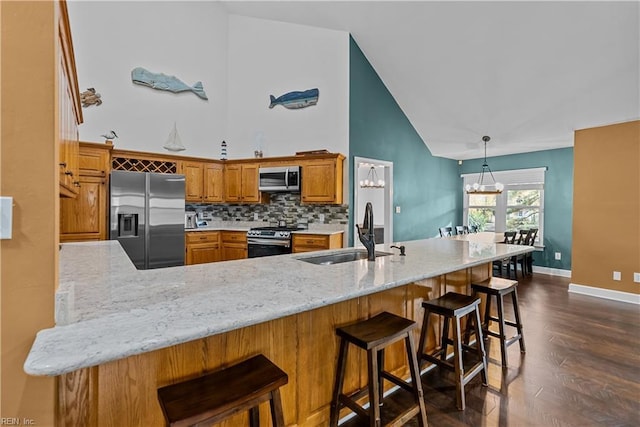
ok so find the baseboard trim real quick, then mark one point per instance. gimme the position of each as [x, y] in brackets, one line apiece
[552, 271]
[605, 293]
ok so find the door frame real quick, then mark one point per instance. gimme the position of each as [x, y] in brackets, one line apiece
[388, 196]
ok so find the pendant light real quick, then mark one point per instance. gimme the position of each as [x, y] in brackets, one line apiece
[480, 187]
[372, 180]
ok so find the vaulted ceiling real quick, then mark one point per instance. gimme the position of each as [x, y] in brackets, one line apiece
[525, 73]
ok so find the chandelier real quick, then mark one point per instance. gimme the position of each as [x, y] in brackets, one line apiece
[479, 187]
[372, 180]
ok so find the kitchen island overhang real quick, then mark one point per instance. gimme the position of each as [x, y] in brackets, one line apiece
[107, 310]
[128, 332]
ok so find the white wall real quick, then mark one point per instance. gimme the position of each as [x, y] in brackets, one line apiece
[240, 61]
[273, 58]
[184, 39]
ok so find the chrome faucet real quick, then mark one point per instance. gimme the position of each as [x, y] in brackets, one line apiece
[366, 232]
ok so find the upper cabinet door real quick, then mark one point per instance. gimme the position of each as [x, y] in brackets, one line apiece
[193, 173]
[213, 182]
[250, 193]
[233, 183]
[322, 181]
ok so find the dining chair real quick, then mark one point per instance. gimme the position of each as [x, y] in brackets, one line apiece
[446, 231]
[462, 229]
[523, 238]
[529, 255]
[505, 264]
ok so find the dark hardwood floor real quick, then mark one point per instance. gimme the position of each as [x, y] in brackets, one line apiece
[581, 368]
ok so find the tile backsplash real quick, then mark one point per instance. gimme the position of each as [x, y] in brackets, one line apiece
[285, 206]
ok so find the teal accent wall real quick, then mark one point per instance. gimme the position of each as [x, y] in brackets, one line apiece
[425, 187]
[558, 198]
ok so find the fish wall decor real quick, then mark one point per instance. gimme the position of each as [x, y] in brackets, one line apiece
[161, 81]
[294, 100]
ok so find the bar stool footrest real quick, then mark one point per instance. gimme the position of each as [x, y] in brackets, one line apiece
[397, 381]
[351, 404]
[436, 361]
[471, 373]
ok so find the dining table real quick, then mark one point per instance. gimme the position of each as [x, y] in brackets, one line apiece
[480, 237]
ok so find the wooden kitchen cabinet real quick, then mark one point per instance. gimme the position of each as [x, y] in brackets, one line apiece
[202, 247]
[203, 181]
[94, 159]
[68, 110]
[213, 187]
[316, 242]
[241, 183]
[234, 245]
[193, 181]
[85, 217]
[322, 180]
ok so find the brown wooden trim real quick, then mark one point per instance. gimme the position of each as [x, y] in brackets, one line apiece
[69, 59]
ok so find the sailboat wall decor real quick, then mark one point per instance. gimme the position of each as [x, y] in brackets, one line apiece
[174, 143]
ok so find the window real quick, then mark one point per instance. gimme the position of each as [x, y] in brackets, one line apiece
[520, 206]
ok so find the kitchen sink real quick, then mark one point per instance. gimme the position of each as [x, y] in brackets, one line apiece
[340, 257]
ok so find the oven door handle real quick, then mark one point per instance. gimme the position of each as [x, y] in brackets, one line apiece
[269, 242]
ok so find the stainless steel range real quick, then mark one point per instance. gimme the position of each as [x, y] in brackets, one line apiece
[267, 241]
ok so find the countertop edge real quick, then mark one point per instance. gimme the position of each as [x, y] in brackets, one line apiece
[47, 341]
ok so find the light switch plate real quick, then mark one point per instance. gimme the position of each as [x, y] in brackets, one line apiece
[558, 256]
[321, 217]
[617, 275]
[397, 209]
[636, 277]
[6, 217]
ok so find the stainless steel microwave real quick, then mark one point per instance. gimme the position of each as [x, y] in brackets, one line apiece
[282, 178]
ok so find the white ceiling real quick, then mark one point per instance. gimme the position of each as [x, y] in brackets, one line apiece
[525, 73]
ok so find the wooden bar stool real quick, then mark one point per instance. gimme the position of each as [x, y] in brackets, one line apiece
[454, 307]
[216, 396]
[373, 335]
[498, 287]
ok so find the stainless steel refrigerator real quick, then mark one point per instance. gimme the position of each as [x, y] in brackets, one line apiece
[147, 217]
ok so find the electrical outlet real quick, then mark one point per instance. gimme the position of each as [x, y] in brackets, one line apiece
[321, 217]
[617, 275]
[255, 216]
[636, 277]
[558, 256]
[397, 209]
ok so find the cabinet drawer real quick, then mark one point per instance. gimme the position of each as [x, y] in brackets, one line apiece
[315, 241]
[203, 237]
[234, 236]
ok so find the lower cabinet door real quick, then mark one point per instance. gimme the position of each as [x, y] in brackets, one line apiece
[231, 251]
[203, 253]
[84, 218]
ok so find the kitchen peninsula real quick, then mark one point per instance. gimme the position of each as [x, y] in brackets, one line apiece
[121, 333]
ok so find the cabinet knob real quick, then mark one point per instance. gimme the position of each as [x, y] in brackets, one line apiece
[76, 183]
[68, 173]
[63, 164]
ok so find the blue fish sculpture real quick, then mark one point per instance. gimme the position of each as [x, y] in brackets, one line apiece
[293, 100]
[161, 81]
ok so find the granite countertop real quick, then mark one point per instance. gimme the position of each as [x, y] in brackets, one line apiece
[322, 229]
[320, 232]
[107, 310]
[217, 228]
